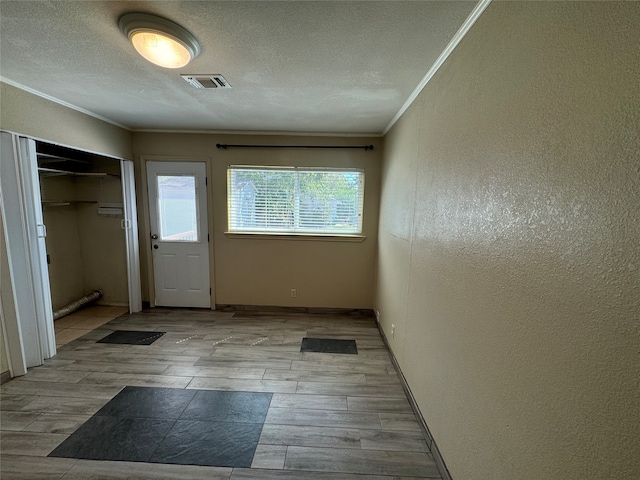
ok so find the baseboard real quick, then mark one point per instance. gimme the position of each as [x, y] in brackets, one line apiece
[362, 312]
[5, 377]
[431, 444]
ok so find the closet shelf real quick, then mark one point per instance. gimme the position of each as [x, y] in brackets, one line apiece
[48, 158]
[51, 172]
[64, 203]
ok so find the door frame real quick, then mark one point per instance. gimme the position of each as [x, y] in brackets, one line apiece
[145, 230]
[130, 226]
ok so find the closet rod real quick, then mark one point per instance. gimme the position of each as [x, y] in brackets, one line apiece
[225, 146]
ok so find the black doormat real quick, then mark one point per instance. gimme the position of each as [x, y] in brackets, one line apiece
[168, 425]
[329, 345]
[129, 337]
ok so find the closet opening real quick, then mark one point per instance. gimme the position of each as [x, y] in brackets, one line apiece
[83, 209]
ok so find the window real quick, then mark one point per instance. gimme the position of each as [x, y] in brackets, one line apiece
[178, 208]
[295, 200]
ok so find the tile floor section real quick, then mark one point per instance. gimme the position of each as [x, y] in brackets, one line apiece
[330, 416]
[170, 425]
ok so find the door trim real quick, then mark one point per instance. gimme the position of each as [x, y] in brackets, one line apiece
[145, 226]
[130, 226]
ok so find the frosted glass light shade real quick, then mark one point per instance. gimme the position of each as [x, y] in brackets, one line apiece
[160, 49]
[159, 40]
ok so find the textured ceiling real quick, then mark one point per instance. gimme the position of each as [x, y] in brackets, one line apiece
[295, 66]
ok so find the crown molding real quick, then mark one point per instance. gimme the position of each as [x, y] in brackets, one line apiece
[61, 102]
[261, 132]
[457, 38]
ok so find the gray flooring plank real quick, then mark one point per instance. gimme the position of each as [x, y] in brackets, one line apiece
[322, 418]
[399, 421]
[379, 368]
[361, 461]
[136, 380]
[242, 385]
[16, 421]
[316, 402]
[26, 467]
[225, 372]
[54, 423]
[297, 375]
[102, 470]
[308, 436]
[29, 443]
[269, 456]
[350, 390]
[15, 402]
[52, 389]
[259, 474]
[117, 367]
[223, 362]
[397, 441]
[377, 404]
[255, 352]
[64, 405]
[58, 376]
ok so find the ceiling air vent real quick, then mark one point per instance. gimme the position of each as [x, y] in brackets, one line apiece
[206, 81]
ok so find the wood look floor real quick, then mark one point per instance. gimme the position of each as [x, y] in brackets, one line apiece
[331, 417]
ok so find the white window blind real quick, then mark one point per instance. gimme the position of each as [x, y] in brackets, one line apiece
[295, 200]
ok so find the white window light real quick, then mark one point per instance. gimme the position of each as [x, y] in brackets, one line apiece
[295, 200]
[159, 40]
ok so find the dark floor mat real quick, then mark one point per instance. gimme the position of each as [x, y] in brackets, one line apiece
[329, 345]
[166, 425]
[129, 337]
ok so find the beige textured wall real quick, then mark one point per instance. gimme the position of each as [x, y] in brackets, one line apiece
[263, 271]
[102, 240]
[4, 365]
[87, 251]
[33, 116]
[63, 241]
[509, 236]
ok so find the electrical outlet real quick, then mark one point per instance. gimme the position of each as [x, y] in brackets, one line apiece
[294, 293]
[393, 331]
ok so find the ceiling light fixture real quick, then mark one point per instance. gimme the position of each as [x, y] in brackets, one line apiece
[159, 40]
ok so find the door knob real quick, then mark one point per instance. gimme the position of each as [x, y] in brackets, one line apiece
[154, 236]
[155, 246]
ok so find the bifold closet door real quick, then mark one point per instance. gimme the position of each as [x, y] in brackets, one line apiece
[29, 332]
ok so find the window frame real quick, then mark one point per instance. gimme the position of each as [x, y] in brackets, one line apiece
[296, 232]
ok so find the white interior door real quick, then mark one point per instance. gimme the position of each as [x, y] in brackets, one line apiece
[179, 233]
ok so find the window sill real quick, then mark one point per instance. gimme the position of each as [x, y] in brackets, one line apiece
[297, 236]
